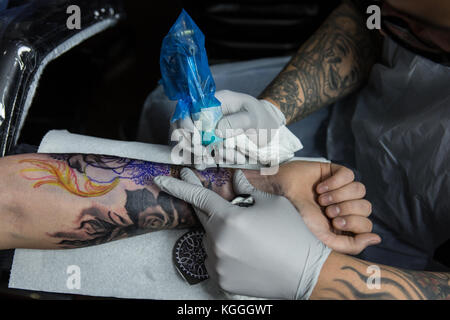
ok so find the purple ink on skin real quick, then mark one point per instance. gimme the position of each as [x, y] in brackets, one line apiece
[217, 177]
[106, 169]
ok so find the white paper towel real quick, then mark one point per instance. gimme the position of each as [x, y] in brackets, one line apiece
[138, 267]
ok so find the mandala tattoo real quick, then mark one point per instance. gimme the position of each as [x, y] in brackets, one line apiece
[216, 177]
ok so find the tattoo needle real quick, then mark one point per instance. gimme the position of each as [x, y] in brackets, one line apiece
[213, 154]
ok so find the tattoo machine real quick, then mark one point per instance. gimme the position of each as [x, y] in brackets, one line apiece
[186, 77]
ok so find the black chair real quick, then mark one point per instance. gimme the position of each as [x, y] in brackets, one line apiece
[32, 34]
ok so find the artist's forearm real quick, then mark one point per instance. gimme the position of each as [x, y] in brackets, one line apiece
[345, 277]
[334, 62]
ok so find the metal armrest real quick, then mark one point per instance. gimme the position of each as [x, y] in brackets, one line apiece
[33, 34]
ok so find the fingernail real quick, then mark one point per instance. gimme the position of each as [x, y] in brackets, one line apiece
[335, 210]
[326, 200]
[321, 188]
[341, 222]
[374, 241]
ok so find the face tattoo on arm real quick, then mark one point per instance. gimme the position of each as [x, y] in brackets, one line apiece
[146, 208]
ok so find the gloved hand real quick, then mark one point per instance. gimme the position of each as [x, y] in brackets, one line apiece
[263, 251]
[242, 111]
[243, 116]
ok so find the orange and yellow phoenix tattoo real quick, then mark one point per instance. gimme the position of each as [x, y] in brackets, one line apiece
[59, 173]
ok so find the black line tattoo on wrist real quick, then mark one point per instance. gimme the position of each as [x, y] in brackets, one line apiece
[395, 284]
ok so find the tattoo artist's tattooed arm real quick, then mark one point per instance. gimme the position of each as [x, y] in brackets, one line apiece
[334, 62]
[69, 201]
[345, 277]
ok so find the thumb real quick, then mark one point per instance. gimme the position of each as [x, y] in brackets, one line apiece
[353, 245]
[233, 124]
[242, 186]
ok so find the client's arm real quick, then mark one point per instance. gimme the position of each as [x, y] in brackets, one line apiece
[72, 200]
[68, 201]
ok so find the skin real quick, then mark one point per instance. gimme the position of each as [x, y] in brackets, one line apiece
[345, 277]
[334, 62]
[70, 201]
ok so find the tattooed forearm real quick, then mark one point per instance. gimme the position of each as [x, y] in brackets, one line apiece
[143, 213]
[335, 61]
[121, 198]
[349, 278]
[52, 201]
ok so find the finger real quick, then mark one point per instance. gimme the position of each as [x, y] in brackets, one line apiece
[241, 184]
[233, 124]
[352, 223]
[352, 191]
[201, 198]
[353, 245]
[232, 102]
[228, 102]
[359, 207]
[340, 176]
[189, 176]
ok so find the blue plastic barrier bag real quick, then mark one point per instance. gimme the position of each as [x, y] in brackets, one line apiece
[186, 77]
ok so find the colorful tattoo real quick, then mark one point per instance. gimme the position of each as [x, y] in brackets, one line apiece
[60, 174]
[146, 208]
[105, 169]
[145, 212]
[217, 177]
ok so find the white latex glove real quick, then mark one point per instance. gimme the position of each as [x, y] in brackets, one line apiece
[263, 251]
[243, 112]
[243, 118]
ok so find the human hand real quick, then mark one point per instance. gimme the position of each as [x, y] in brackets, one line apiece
[264, 250]
[243, 116]
[242, 112]
[341, 222]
